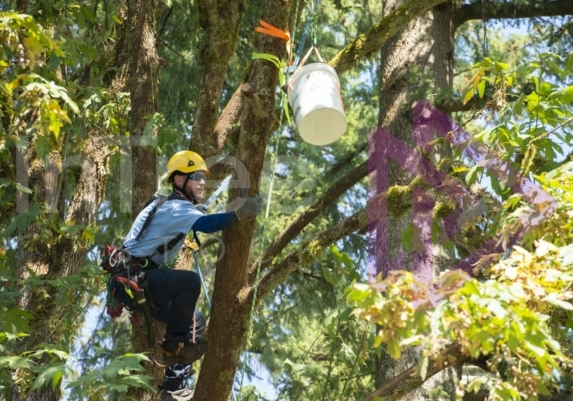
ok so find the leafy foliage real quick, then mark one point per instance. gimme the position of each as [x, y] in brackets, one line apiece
[117, 377]
[517, 314]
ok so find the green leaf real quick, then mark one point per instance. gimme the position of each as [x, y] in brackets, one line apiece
[566, 255]
[70, 229]
[424, 366]
[564, 95]
[467, 96]
[481, 89]
[358, 292]
[49, 350]
[501, 66]
[51, 375]
[393, 349]
[408, 238]
[342, 257]
[327, 273]
[542, 388]
[89, 234]
[17, 319]
[553, 300]
[497, 308]
[14, 362]
[471, 175]
[537, 350]
[22, 188]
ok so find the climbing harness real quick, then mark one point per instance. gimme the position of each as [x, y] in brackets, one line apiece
[126, 285]
[195, 245]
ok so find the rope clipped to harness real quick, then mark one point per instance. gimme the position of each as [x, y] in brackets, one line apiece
[126, 286]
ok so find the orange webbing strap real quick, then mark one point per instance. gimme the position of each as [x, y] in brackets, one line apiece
[268, 29]
[131, 283]
[271, 30]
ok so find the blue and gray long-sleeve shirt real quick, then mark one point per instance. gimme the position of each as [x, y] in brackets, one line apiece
[174, 218]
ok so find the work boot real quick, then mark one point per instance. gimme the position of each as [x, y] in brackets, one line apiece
[178, 395]
[182, 351]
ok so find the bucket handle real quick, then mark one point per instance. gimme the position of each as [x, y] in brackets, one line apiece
[313, 47]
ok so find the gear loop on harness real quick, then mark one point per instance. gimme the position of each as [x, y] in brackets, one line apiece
[113, 261]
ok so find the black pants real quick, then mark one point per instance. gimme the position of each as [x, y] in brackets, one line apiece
[175, 293]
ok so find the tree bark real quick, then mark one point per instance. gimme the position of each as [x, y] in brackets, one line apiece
[47, 255]
[142, 66]
[231, 311]
[220, 21]
[410, 379]
[46, 250]
[414, 64]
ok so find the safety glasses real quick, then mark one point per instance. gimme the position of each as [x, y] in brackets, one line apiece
[198, 176]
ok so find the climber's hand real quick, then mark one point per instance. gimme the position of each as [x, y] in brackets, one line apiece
[202, 208]
[250, 207]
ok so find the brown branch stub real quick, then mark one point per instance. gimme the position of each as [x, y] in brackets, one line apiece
[229, 117]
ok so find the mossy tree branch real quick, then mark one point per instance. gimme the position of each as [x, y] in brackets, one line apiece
[311, 212]
[371, 42]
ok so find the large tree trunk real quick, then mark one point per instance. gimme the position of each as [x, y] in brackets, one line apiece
[418, 59]
[47, 255]
[415, 63]
[46, 250]
[232, 295]
[141, 63]
[220, 23]
[143, 67]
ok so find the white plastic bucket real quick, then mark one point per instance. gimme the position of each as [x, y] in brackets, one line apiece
[314, 95]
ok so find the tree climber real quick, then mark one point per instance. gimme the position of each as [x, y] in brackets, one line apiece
[156, 237]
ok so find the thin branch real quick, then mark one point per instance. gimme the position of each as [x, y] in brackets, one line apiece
[229, 117]
[410, 379]
[397, 199]
[311, 212]
[512, 10]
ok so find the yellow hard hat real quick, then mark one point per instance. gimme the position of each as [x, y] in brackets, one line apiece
[185, 162]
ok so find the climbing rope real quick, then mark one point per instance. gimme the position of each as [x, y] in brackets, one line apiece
[203, 284]
[308, 27]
